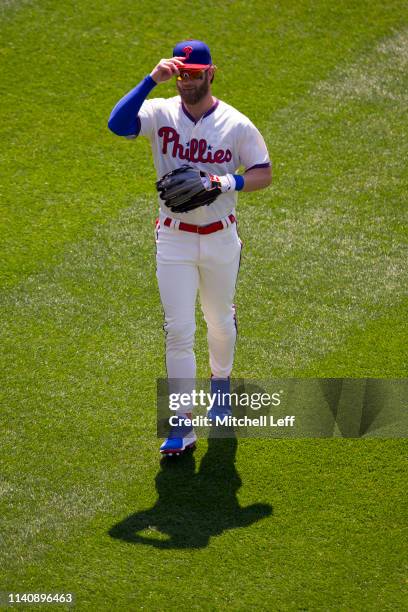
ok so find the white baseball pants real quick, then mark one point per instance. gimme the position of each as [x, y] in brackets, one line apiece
[188, 263]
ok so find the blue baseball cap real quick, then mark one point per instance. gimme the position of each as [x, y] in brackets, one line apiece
[196, 53]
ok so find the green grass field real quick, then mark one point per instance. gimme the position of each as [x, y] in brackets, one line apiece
[85, 505]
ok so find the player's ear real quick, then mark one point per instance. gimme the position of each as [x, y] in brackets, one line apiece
[212, 72]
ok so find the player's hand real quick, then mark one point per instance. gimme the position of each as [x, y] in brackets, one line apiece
[166, 69]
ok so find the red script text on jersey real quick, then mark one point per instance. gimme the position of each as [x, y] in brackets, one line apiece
[195, 151]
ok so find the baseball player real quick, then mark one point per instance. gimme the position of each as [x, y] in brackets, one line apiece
[198, 144]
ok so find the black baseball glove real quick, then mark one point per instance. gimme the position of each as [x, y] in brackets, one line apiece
[183, 190]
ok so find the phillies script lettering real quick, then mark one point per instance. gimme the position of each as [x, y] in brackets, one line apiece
[195, 151]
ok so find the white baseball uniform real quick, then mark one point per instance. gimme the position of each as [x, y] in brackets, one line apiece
[218, 143]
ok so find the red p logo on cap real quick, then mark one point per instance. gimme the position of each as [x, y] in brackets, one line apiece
[187, 51]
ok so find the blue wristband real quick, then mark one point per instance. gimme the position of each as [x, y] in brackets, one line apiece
[239, 181]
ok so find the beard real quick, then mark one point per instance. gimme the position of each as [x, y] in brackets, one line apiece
[196, 94]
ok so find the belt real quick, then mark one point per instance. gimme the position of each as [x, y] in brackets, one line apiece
[199, 229]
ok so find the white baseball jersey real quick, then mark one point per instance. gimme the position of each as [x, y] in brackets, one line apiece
[219, 143]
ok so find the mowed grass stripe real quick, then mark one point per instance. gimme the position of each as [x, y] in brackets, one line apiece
[63, 172]
[86, 320]
[9, 7]
[335, 521]
[83, 338]
[341, 252]
[375, 348]
[79, 345]
[330, 251]
[78, 424]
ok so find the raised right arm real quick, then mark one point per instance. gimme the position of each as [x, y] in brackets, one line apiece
[124, 120]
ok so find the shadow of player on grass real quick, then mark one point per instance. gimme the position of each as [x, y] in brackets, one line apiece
[192, 506]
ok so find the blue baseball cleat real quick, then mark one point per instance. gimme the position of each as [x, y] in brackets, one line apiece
[182, 438]
[222, 406]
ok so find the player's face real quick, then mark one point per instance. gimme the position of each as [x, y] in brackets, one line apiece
[192, 91]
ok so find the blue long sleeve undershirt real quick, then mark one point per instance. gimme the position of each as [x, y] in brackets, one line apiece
[123, 120]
